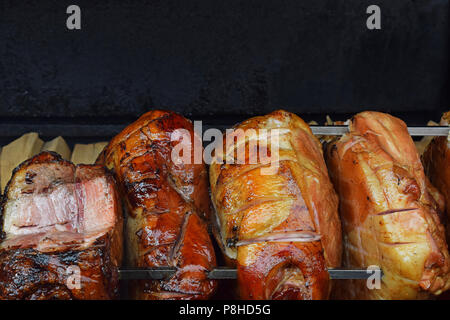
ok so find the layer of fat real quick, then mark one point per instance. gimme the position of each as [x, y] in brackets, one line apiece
[78, 212]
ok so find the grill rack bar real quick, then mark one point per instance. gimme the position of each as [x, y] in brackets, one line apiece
[162, 273]
[70, 130]
[413, 131]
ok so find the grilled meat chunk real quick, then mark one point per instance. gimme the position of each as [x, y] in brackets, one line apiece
[281, 228]
[389, 211]
[62, 232]
[436, 160]
[168, 206]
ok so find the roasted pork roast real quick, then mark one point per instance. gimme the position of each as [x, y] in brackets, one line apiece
[61, 232]
[280, 228]
[167, 203]
[436, 160]
[389, 211]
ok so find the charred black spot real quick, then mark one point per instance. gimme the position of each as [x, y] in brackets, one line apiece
[57, 182]
[231, 242]
[139, 233]
[29, 176]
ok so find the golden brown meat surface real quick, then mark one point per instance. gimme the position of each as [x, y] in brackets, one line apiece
[388, 211]
[168, 205]
[62, 232]
[281, 228]
[436, 160]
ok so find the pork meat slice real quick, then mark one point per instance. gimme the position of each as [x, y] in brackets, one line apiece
[61, 230]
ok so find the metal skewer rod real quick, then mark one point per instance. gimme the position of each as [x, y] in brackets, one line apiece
[413, 131]
[89, 130]
[162, 273]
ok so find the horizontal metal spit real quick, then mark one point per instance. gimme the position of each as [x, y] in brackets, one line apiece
[110, 130]
[229, 273]
[413, 131]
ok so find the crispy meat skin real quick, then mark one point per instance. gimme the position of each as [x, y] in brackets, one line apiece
[35, 265]
[30, 274]
[436, 160]
[299, 199]
[389, 211]
[167, 204]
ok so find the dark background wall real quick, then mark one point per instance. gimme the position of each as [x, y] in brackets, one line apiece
[221, 59]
